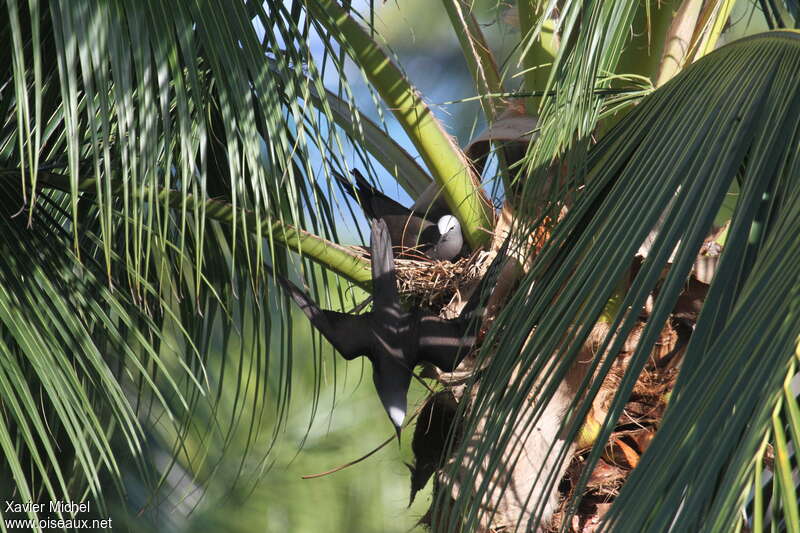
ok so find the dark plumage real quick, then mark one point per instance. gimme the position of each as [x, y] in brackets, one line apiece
[393, 339]
[430, 438]
[438, 238]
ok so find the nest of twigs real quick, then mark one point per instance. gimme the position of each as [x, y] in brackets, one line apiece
[434, 284]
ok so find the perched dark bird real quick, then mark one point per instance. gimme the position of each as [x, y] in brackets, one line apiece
[393, 339]
[438, 237]
[431, 433]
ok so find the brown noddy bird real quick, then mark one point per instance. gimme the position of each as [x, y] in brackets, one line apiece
[438, 237]
[393, 339]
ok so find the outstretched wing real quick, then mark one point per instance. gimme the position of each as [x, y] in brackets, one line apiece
[444, 343]
[362, 196]
[374, 203]
[349, 334]
[384, 290]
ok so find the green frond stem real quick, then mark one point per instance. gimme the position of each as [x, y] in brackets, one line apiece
[791, 406]
[480, 61]
[758, 477]
[444, 159]
[483, 68]
[783, 475]
[644, 53]
[393, 157]
[330, 255]
[538, 52]
[614, 303]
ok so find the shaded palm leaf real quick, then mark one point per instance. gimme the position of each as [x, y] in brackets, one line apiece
[669, 165]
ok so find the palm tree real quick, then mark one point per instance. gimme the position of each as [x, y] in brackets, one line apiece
[157, 163]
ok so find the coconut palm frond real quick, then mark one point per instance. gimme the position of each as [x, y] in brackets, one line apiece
[156, 166]
[75, 353]
[660, 176]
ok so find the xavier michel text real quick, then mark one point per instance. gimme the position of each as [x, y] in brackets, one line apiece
[50, 507]
[69, 508]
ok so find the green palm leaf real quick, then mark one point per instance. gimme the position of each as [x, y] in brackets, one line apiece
[153, 123]
[157, 159]
[669, 164]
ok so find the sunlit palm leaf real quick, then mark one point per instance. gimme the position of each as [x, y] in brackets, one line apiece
[602, 45]
[157, 118]
[72, 354]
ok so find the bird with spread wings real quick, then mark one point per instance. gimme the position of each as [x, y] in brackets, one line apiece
[394, 339]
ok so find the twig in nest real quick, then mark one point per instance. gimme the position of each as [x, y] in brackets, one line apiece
[432, 283]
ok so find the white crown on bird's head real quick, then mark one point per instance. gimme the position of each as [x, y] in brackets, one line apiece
[447, 223]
